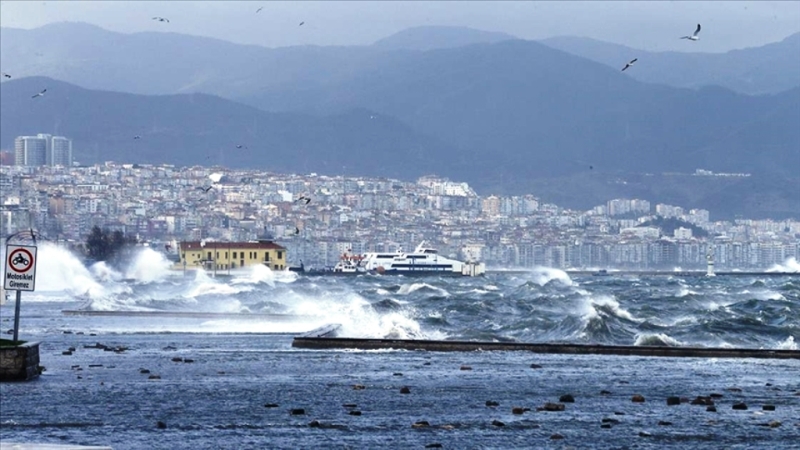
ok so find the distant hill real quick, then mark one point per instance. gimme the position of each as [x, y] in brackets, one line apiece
[768, 69]
[201, 129]
[431, 37]
[521, 110]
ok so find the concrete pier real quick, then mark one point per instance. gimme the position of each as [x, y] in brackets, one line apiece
[310, 341]
[19, 362]
[191, 315]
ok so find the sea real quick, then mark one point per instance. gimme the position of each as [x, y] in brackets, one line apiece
[188, 360]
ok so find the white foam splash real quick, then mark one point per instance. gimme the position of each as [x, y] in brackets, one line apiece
[788, 344]
[262, 274]
[589, 312]
[59, 270]
[658, 339]
[790, 265]
[148, 266]
[544, 275]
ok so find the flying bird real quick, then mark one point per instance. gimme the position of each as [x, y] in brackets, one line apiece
[301, 24]
[205, 189]
[6, 75]
[241, 146]
[161, 19]
[137, 137]
[303, 197]
[259, 10]
[630, 63]
[296, 230]
[40, 94]
[693, 37]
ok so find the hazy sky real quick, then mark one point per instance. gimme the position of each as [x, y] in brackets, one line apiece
[649, 25]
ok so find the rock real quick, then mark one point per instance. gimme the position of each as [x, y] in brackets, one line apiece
[466, 368]
[610, 420]
[354, 413]
[769, 384]
[79, 332]
[448, 427]
[434, 445]
[92, 334]
[72, 349]
[644, 434]
[95, 365]
[619, 413]
[405, 390]
[517, 410]
[702, 401]
[671, 401]
[161, 425]
[535, 366]
[426, 363]
[551, 407]
[605, 392]
[177, 359]
[768, 407]
[605, 425]
[397, 374]
[733, 389]
[715, 395]
[492, 403]
[567, 398]
[349, 405]
[297, 412]
[188, 360]
[775, 424]
[359, 387]
[711, 408]
[154, 377]
[66, 352]
[144, 371]
[271, 405]
[638, 398]
[664, 423]
[497, 423]
[67, 332]
[314, 424]
[77, 366]
[739, 406]
[556, 436]
[420, 424]
[169, 347]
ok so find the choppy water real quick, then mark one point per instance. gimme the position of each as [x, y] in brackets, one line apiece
[240, 364]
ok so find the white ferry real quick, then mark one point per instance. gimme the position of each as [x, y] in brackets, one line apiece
[424, 260]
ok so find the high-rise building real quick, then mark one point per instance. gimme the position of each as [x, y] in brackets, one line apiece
[41, 150]
[60, 152]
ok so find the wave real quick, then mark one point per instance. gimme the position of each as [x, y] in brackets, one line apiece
[657, 340]
[791, 265]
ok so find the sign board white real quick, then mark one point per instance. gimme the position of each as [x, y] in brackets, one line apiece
[20, 273]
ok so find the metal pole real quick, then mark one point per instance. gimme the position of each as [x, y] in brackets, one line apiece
[16, 316]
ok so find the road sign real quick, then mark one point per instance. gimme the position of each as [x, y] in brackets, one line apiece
[20, 273]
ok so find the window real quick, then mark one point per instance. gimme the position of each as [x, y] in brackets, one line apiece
[280, 254]
[266, 256]
[226, 255]
[209, 256]
[234, 255]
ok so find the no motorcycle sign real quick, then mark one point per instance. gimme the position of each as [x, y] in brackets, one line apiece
[20, 273]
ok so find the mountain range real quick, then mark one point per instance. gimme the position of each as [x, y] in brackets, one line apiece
[507, 115]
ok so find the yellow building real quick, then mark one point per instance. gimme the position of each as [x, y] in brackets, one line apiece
[214, 256]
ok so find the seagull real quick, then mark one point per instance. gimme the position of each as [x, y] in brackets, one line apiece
[6, 75]
[259, 10]
[205, 189]
[301, 24]
[241, 146]
[630, 64]
[40, 94]
[296, 230]
[137, 137]
[303, 197]
[693, 37]
[161, 19]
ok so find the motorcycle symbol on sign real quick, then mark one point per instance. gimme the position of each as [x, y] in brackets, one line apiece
[19, 259]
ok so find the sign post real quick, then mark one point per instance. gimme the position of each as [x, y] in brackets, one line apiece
[20, 275]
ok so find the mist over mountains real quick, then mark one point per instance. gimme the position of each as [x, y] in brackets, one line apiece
[506, 115]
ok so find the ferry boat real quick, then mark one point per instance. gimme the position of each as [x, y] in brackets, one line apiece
[424, 260]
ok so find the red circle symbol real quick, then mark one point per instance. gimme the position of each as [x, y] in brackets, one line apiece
[20, 260]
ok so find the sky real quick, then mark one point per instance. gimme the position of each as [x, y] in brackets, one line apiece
[647, 25]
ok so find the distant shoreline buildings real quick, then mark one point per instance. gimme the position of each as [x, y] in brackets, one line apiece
[42, 150]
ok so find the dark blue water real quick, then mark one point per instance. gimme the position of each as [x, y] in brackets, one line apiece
[240, 365]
